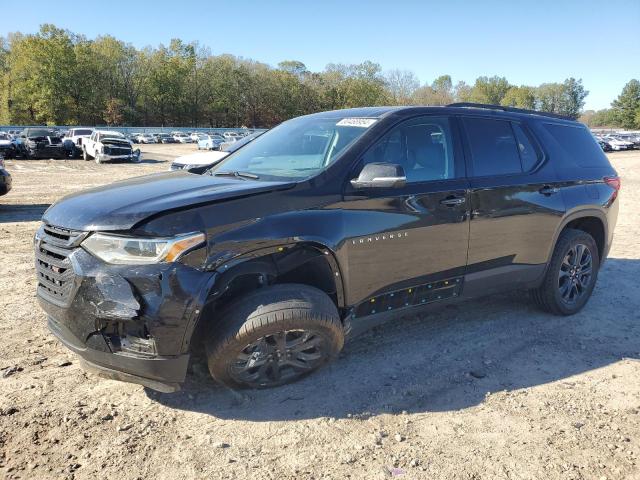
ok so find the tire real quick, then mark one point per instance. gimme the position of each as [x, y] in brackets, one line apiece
[549, 296]
[85, 156]
[255, 328]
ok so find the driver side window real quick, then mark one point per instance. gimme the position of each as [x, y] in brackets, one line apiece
[422, 146]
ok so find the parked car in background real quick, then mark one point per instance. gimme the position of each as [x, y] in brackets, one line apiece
[618, 143]
[7, 146]
[604, 145]
[40, 143]
[198, 162]
[105, 146]
[165, 138]
[73, 139]
[209, 142]
[231, 135]
[5, 178]
[182, 138]
[630, 137]
[146, 138]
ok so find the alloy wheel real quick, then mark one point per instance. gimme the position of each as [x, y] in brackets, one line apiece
[279, 357]
[576, 273]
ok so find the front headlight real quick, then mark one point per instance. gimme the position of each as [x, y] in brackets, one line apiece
[122, 250]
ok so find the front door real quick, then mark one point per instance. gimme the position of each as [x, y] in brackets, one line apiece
[405, 243]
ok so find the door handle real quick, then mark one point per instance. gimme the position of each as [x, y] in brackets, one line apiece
[548, 190]
[452, 201]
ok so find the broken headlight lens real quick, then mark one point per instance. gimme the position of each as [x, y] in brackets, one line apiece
[129, 250]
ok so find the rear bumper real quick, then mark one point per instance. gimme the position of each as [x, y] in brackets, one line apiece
[159, 373]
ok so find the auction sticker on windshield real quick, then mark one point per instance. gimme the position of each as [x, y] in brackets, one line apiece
[356, 122]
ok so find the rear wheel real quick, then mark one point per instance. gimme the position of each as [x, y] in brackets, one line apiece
[571, 274]
[274, 335]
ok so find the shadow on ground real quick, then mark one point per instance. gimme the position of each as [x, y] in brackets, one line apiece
[22, 213]
[447, 360]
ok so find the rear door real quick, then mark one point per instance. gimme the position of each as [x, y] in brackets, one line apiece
[401, 240]
[515, 203]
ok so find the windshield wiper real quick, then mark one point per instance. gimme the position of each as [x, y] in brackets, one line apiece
[236, 174]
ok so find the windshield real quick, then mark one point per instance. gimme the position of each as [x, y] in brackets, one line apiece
[296, 149]
[83, 132]
[111, 136]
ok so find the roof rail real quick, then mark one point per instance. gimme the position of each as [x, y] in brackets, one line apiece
[509, 109]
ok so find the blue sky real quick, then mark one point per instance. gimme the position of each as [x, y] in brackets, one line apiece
[528, 42]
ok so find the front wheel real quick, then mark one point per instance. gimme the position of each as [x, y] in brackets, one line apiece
[274, 335]
[571, 275]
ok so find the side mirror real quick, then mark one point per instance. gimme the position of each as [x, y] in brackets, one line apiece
[380, 175]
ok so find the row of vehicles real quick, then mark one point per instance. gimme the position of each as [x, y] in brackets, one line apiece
[205, 141]
[199, 162]
[618, 141]
[49, 143]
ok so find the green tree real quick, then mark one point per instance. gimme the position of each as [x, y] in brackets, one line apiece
[573, 95]
[627, 105]
[489, 90]
[521, 97]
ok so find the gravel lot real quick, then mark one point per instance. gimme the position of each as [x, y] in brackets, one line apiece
[487, 389]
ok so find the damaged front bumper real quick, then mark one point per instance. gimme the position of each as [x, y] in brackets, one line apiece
[132, 157]
[130, 323]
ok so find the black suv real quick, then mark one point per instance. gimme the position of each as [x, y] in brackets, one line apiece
[323, 226]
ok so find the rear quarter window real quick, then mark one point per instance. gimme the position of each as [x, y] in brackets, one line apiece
[578, 144]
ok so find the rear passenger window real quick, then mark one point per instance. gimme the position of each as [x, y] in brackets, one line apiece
[493, 147]
[528, 154]
[578, 144]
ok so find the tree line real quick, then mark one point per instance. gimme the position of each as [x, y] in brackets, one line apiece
[624, 111]
[57, 77]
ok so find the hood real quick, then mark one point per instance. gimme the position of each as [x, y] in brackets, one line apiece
[200, 158]
[122, 205]
[115, 141]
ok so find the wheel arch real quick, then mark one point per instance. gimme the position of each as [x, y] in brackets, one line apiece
[306, 263]
[591, 221]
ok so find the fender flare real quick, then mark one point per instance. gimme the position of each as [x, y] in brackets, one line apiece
[575, 215]
[254, 262]
[259, 261]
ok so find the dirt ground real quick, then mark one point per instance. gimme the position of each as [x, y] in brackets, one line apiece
[483, 390]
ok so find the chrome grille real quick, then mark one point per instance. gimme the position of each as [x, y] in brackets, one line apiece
[53, 245]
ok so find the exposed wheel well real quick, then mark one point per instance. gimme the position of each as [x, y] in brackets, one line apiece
[300, 264]
[594, 227]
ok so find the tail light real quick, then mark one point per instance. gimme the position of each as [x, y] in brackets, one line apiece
[613, 182]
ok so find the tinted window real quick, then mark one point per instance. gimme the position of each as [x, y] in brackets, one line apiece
[422, 146]
[493, 147]
[528, 154]
[578, 143]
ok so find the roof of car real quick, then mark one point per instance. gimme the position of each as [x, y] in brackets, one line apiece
[499, 110]
[110, 132]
